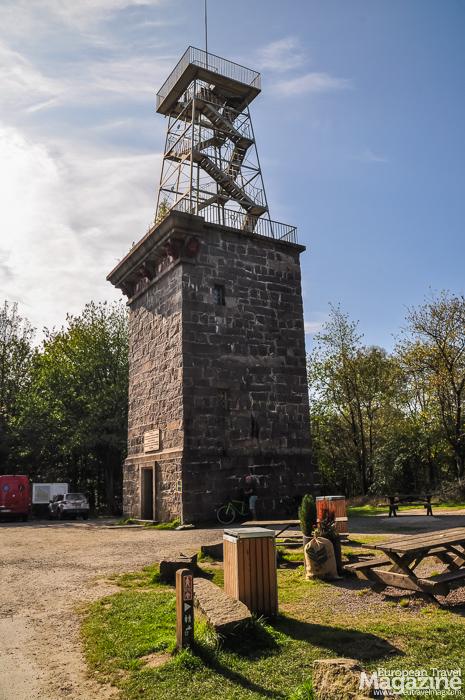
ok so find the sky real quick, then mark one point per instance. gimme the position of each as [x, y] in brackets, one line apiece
[359, 127]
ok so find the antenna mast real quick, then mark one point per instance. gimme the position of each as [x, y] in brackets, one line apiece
[206, 31]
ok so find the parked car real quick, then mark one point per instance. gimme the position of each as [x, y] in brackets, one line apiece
[15, 496]
[69, 505]
[42, 494]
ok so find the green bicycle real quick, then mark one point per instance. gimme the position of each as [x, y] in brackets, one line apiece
[230, 510]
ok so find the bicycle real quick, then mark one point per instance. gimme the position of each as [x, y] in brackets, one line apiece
[229, 511]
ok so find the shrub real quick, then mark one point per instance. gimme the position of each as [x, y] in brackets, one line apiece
[307, 514]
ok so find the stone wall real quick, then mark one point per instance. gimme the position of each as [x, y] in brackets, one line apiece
[245, 385]
[225, 383]
[155, 361]
[155, 395]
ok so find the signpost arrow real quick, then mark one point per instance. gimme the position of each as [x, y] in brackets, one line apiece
[184, 608]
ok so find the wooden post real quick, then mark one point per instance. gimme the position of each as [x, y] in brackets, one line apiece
[184, 608]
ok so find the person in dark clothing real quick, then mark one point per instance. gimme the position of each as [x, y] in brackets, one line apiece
[250, 492]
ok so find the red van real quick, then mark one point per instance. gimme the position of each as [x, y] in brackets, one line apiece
[15, 496]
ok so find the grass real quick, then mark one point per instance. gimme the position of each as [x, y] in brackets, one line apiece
[145, 578]
[371, 510]
[274, 661]
[171, 525]
[124, 627]
[125, 521]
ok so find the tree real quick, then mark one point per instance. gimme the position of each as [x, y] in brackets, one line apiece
[16, 335]
[433, 356]
[74, 414]
[352, 391]
[163, 211]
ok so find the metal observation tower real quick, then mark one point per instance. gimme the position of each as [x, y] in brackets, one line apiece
[210, 163]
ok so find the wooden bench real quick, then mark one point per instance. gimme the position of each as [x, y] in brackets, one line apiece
[362, 566]
[395, 501]
[407, 552]
[449, 576]
[367, 563]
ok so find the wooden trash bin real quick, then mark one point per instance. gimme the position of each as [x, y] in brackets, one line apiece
[250, 568]
[336, 505]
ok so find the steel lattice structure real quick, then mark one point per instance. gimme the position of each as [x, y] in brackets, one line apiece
[210, 162]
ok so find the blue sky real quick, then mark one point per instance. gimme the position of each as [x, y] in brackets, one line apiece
[359, 129]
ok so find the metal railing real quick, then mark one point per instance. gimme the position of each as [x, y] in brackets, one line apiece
[240, 220]
[219, 65]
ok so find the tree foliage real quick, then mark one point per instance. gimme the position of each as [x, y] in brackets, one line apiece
[16, 351]
[71, 423]
[353, 389]
[433, 355]
[386, 423]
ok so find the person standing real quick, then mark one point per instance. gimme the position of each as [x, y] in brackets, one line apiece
[250, 492]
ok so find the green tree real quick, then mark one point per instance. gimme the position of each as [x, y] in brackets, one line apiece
[433, 356]
[74, 414]
[16, 335]
[353, 391]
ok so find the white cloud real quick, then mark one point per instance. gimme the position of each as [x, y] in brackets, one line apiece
[311, 83]
[20, 16]
[138, 76]
[23, 86]
[281, 55]
[315, 325]
[67, 215]
[74, 196]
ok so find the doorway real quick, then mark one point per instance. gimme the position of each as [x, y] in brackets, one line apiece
[147, 489]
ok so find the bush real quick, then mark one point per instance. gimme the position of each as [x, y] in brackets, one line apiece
[307, 515]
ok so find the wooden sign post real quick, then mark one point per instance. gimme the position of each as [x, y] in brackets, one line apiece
[184, 608]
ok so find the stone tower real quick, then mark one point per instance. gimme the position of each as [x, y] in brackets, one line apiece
[217, 379]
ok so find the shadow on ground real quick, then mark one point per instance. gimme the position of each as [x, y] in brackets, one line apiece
[251, 643]
[340, 641]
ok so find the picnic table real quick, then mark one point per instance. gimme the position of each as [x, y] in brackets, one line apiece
[279, 526]
[402, 555]
[396, 501]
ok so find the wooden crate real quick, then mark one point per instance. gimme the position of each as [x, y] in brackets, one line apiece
[250, 568]
[336, 505]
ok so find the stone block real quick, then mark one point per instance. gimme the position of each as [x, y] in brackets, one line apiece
[215, 551]
[338, 679]
[168, 567]
[226, 615]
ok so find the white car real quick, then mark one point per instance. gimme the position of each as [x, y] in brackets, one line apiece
[69, 505]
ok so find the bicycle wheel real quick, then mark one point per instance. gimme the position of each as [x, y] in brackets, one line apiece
[226, 514]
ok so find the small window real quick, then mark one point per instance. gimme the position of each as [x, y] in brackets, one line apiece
[254, 427]
[224, 400]
[218, 295]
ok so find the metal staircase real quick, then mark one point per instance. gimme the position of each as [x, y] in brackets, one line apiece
[210, 159]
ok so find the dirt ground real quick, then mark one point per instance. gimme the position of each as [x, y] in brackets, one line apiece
[46, 571]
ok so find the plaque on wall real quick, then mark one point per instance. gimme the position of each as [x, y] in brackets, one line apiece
[152, 440]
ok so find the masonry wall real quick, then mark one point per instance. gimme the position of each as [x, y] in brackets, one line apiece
[245, 386]
[155, 394]
[225, 384]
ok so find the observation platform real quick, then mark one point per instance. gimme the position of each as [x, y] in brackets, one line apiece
[237, 83]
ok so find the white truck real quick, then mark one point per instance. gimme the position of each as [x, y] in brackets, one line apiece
[42, 494]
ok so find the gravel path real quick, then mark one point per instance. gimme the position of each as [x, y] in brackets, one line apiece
[46, 571]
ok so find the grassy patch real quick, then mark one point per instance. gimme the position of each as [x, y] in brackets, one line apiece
[171, 525]
[371, 510]
[214, 573]
[147, 577]
[125, 521]
[121, 628]
[205, 558]
[317, 620]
